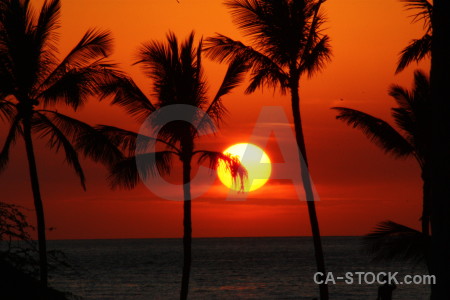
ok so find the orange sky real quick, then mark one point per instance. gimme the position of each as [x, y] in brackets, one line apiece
[357, 184]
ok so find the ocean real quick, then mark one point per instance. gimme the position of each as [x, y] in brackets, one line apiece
[222, 268]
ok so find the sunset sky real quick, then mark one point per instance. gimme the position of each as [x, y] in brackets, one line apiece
[358, 185]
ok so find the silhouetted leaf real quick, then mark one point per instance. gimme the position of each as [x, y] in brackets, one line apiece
[418, 48]
[315, 59]
[393, 242]
[131, 142]
[7, 110]
[127, 173]
[57, 139]
[10, 140]
[424, 10]
[377, 130]
[77, 84]
[46, 36]
[232, 164]
[127, 95]
[415, 51]
[175, 71]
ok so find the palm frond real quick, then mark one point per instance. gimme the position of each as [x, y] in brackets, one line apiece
[405, 120]
[270, 76]
[232, 164]
[216, 110]
[266, 23]
[45, 34]
[128, 172]
[175, 71]
[314, 19]
[401, 95]
[124, 174]
[424, 10]
[415, 51]
[276, 27]
[393, 242]
[224, 49]
[48, 20]
[264, 69]
[56, 140]
[131, 142]
[317, 56]
[285, 31]
[421, 89]
[10, 140]
[75, 85]
[246, 15]
[377, 130]
[20, 49]
[404, 115]
[416, 101]
[414, 112]
[93, 46]
[7, 110]
[123, 139]
[177, 75]
[86, 139]
[127, 95]
[234, 76]
[198, 63]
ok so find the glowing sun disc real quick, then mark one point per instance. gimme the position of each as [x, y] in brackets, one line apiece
[255, 161]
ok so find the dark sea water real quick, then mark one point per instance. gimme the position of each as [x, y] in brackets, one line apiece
[222, 268]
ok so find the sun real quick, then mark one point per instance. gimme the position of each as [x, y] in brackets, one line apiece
[255, 161]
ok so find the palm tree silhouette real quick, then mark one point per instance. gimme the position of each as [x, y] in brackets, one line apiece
[413, 116]
[177, 75]
[286, 42]
[32, 80]
[417, 48]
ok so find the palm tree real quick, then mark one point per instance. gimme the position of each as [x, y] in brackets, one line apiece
[413, 139]
[286, 42]
[177, 75]
[32, 80]
[417, 48]
[413, 117]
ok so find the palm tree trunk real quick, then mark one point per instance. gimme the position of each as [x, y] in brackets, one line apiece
[426, 201]
[318, 251]
[37, 204]
[426, 210]
[187, 224]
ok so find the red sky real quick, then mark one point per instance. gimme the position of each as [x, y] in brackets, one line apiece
[357, 184]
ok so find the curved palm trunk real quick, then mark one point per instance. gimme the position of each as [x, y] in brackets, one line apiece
[318, 251]
[187, 236]
[37, 204]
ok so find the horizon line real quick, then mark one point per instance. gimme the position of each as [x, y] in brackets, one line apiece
[205, 237]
